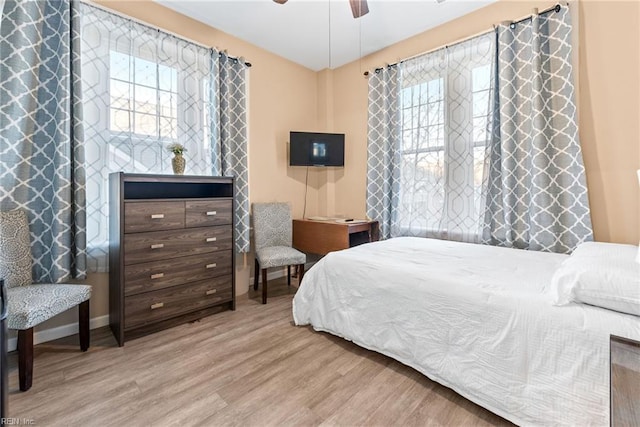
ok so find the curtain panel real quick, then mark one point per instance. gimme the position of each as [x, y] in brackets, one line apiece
[427, 132]
[41, 148]
[537, 192]
[383, 149]
[446, 100]
[231, 141]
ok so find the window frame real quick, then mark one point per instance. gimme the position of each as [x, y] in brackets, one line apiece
[131, 135]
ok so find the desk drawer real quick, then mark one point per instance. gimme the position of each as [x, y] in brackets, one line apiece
[151, 276]
[159, 245]
[152, 216]
[208, 212]
[150, 307]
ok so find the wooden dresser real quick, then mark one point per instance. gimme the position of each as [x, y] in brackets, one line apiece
[171, 257]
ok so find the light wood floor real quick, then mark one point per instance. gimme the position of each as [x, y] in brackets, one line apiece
[248, 367]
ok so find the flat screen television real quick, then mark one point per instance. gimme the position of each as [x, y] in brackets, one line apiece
[316, 149]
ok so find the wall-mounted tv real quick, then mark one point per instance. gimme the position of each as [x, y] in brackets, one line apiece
[316, 149]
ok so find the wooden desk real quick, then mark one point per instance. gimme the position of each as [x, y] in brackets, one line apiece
[322, 237]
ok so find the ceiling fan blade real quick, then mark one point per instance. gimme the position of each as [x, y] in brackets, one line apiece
[359, 8]
[280, 1]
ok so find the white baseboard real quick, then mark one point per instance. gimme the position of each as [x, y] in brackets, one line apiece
[60, 332]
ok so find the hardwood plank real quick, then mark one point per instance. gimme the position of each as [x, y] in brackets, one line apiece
[245, 367]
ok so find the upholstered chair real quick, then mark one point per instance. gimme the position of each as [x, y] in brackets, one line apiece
[31, 304]
[272, 231]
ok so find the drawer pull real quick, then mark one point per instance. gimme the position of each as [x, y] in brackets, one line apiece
[211, 291]
[212, 265]
[211, 213]
[157, 305]
[157, 246]
[211, 239]
[157, 275]
[157, 216]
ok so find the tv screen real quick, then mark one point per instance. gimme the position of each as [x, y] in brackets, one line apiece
[316, 149]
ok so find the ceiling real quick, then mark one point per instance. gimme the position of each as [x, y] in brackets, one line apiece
[320, 34]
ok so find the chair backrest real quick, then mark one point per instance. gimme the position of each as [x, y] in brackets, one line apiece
[15, 249]
[271, 224]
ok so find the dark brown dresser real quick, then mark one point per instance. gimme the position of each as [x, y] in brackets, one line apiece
[171, 257]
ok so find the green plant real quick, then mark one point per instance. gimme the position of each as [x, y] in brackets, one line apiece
[176, 148]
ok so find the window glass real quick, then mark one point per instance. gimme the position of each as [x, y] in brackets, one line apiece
[143, 97]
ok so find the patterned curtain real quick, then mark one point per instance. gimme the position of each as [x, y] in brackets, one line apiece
[383, 148]
[537, 193]
[232, 138]
[41, 151]
[445, 99]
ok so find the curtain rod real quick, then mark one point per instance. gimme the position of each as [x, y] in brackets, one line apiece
[155, 28]
[555, 8]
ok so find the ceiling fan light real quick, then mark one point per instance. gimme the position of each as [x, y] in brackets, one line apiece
[280, 1]
[359, 8]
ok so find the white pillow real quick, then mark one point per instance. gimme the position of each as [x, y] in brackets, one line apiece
[601, 274]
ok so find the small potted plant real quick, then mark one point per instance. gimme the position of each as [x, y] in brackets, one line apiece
[178, 162]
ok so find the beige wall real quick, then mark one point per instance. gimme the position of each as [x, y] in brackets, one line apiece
[284, 96]
[608, 95]
[610, 115]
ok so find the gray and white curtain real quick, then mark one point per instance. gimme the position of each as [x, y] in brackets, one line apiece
[230, 153]
[383, 149]
[537, 192]
[41, 150]
[145, 90]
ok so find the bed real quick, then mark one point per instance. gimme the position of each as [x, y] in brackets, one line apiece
[478, 319]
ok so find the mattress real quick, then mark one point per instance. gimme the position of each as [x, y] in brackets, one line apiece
[475, 318]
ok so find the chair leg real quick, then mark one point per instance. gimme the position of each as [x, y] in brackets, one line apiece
[301, 266]
[83, 324]
[288, 275]
[25, 358]
[264, 285]
[256, 271]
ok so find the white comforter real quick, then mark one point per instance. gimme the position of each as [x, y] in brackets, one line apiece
[474, 318]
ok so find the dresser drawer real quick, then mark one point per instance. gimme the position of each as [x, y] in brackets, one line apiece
[159, 245]
[152, 216]
[208, 212]
[151, 276]
[150, 307]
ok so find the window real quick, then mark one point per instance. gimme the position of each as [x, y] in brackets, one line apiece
[422, 149]
[481, 97]
[143, 97]
[445, 113]
[142, 90]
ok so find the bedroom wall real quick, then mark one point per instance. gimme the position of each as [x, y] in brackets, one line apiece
[608, 61]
